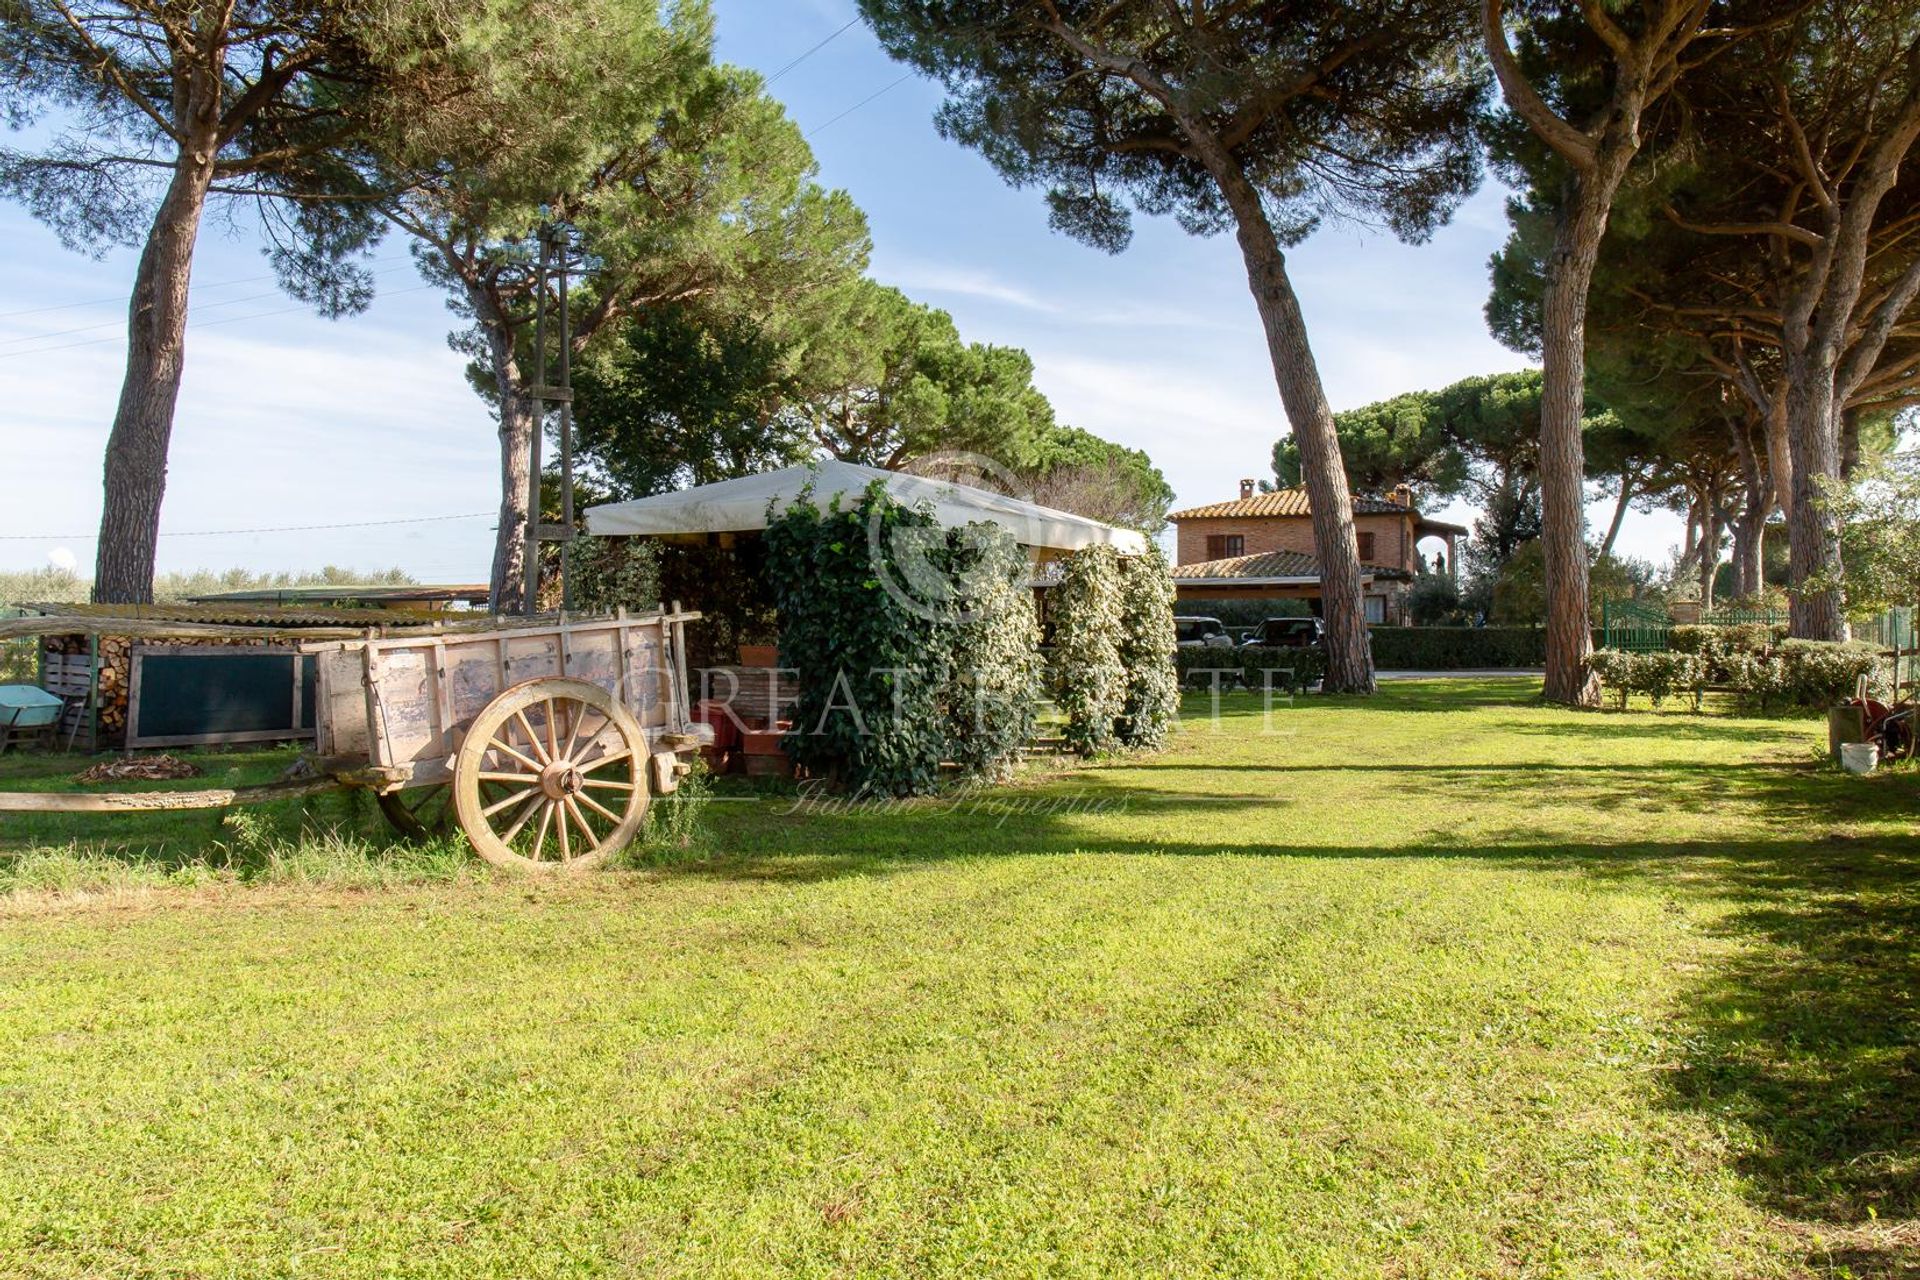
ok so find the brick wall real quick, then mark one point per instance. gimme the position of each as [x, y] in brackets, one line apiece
[1393, 537]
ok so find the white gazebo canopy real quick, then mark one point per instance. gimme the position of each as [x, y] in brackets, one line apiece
[733, 506]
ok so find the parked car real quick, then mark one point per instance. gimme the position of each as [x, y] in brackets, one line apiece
[1201, 633]
[1286, 633]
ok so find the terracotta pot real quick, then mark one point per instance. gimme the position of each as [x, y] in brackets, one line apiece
[759, 655]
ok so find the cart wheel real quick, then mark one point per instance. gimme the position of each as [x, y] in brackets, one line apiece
[1897, 735]
[419, 813]
[552, 775]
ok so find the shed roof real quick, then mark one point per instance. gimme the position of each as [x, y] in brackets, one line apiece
[732, 506]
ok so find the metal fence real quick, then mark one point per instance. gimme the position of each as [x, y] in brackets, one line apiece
[1638, 627]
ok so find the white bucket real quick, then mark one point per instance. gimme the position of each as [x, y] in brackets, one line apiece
[1859, 757]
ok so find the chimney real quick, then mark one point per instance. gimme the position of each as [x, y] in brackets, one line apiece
[1246, 488]
[1403, 494]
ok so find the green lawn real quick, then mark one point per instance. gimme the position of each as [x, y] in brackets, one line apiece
[1440, 984]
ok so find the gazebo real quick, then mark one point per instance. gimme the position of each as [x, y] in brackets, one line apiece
[742, 506]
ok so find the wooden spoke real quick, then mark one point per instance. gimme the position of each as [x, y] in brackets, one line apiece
[533, 766]
[596, 806]
[533, 739]
[540, 838]
[513, 799]
[526, 816]
[579, 737]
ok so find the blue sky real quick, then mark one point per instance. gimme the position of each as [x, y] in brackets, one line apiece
[290, 420]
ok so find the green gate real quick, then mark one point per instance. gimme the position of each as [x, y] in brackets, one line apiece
[1634, 626]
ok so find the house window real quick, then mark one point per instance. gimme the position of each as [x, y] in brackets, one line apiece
[1224, 546]
[1366, 548]
[1376, 605]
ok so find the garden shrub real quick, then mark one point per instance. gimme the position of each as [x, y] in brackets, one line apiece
[1247, 667]
[1819, 673]
[993, 652]
[868, 715]
[1455, 648]
[1088, 675]
[1759, 679]
[606, 574]
[1657, 675]
[1146, 648]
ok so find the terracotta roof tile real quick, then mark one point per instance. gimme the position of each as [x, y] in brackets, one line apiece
[1281, 502]
[1267, 564]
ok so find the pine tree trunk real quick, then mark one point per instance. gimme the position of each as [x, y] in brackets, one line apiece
[1813, 541]
[1577, 234]
[1750, 526]
[135, 475]
[1709, 550]
[1780, 452]
[1343, 608]
[507, 586]
[1619, 516]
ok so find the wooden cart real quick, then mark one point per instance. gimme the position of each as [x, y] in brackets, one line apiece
[545, 741]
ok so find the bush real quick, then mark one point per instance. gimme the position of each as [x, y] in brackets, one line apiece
[1819, 673]
[993, 658]
[851, 642]
[1247, 668]
[1455, 648]
[1089, 677]
[1146, 649]
[615, 573]
[1657, 675]
[1433, 600]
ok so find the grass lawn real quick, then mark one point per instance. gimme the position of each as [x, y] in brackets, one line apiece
[1443, 983]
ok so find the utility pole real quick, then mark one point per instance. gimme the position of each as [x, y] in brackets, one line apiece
[554, 266]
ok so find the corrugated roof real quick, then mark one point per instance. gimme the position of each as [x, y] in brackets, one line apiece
[1283, 502]
[1264, 566]
[349, 596]
[239, 615]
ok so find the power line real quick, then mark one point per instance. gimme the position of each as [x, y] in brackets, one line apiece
[856, 106]
[122, 297]
[194, 326]
[226, 533]
[193, 306]
[851, 22]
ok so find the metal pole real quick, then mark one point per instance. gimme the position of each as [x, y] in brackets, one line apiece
[532, 604]
[566, 434]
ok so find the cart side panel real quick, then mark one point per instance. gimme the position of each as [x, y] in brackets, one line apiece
[646, 671]
[594, 656]
[531, 657]
[403, 684]
[341, 725]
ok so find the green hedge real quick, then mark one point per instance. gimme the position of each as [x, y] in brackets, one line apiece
[1793, 673]
[913, 645]
[1247, 668]
[1457, 648]
[1089, 678]
[1147, 646]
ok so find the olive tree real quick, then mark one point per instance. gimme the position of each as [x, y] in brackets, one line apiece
[1263, 120]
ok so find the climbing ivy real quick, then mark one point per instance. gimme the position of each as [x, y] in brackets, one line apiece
[993, 655]
[1090, 681]
[1146, 647]
[867, 717]
[912, 645]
